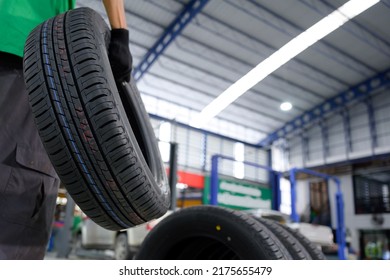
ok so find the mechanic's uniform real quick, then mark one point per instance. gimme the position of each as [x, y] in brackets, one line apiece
[28, 182]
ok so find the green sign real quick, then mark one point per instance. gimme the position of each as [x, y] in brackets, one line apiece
[239, 194]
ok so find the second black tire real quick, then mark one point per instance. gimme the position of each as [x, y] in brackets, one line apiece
[314, 252]
[84, 126]
[211, 233]
[295, 248]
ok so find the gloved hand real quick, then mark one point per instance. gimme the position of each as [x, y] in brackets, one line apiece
[119, 55]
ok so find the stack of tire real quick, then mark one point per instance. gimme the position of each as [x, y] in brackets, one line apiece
[215, 233]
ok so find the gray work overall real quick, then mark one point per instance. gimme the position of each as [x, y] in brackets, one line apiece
[28, 182]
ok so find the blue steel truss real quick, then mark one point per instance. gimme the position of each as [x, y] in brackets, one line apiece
[331, 105]
[169, 35]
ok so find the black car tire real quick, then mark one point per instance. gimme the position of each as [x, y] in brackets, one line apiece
[311, 248]
[295, 248]
[109, 163]
[212, 233]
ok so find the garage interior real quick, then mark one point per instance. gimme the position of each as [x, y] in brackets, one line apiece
[325, 108]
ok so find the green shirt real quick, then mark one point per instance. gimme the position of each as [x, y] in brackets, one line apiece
[19, 17]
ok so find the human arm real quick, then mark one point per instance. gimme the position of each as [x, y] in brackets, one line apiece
[118, 51]
[116, 13]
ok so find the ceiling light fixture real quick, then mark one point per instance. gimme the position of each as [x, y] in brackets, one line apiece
[282, 56]
[286, 106]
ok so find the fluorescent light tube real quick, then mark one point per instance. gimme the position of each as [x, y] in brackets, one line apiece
[282, 56]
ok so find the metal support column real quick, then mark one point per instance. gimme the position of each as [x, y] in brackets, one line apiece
[340, 231]
[276, 193]
[214, 180]
[273, 179]
[293, 189]
[173, 173]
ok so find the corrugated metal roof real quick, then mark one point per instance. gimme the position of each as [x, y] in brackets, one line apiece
[230, 37]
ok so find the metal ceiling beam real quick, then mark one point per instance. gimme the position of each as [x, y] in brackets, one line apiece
[171, 32]
[331, 105]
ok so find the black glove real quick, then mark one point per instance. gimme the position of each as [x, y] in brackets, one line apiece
[119, 55]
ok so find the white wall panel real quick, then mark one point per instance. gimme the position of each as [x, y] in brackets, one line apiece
[382, 118]
[336, 139]
[181, 138]
[296, 152]
[360, 132]
[195, 150]
[315, 142]
[226, 167]
[259, 157]
[213, 147]
[250, 171]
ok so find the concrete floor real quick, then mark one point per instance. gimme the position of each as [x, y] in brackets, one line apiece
[83, 254]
